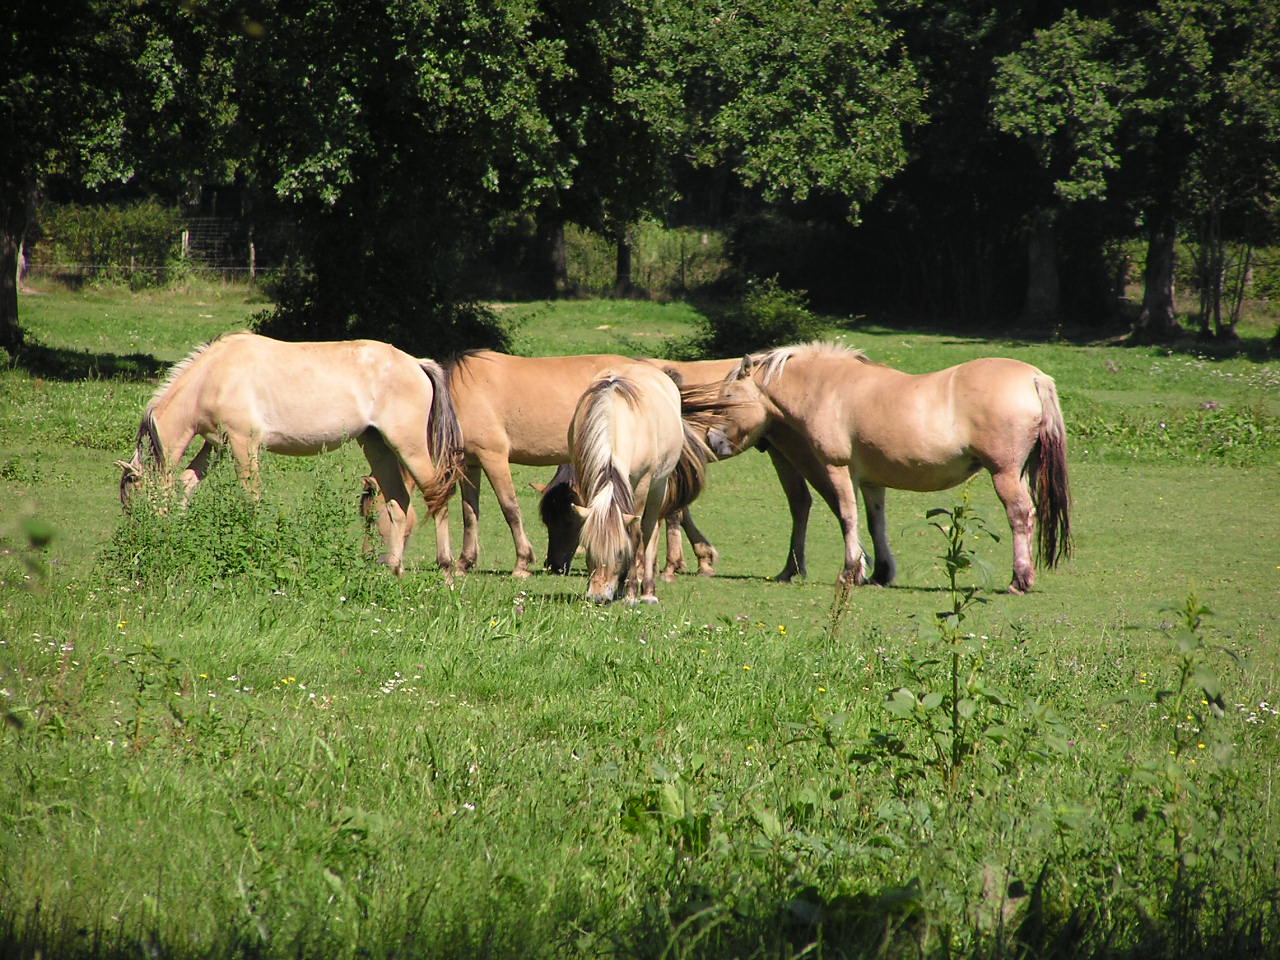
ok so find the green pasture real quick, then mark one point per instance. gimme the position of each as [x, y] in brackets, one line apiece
[229, 733]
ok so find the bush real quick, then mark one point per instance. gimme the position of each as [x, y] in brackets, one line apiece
[137, 243]
[224, 534]
[766, 316]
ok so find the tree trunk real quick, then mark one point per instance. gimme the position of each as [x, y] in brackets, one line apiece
[622, 277]
[553, 257]
[1042, 307]
[1156, 321]
[17, 200]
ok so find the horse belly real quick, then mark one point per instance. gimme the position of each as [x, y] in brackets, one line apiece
[921, 471]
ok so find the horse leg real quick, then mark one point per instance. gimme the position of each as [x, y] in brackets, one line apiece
[1014, 492]
[196, 470]
[799, 503]
[645, 561]
[703, 549]
[873, 500]
[244, 450]
[498, 469]
[855, 561]
[470, 518]
[394, 515]
[675, 547]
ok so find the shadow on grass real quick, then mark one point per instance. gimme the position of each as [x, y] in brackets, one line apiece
[1117, 333]
[59, 363]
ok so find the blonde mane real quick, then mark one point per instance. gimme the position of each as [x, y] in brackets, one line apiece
[602, 487]
[182, 366]
[772, 362]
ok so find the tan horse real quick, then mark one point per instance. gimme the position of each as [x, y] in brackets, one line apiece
[300, 399]
[625, 441]
[511, 410]
[874, 427]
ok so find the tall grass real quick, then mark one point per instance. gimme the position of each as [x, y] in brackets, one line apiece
[229, 733]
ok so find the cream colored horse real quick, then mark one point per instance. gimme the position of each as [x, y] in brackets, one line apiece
[873, 427]
[625, 441]
[300, 399]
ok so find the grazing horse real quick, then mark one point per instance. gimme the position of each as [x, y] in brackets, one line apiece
[869, 425]
[511, 410]
[300, 399]
[625, 442]
[557, 497]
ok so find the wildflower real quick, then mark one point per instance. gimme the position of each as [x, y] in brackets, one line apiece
[746, 666]
[122, 624]
[782, 629]
[822, 689]
[1199, 746]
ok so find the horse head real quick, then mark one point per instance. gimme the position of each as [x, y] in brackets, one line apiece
[741, 414]
[130, 480]
[563, 522]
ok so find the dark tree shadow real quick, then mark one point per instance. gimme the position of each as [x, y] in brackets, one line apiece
[59, 363]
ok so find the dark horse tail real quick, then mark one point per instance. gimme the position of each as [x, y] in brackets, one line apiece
[444, 439]
[690, 475]
[1047, 471]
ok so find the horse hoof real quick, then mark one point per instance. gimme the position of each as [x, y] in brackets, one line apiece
[706, 570]
[520, 573]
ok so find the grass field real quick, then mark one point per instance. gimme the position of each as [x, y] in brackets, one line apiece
[231, 734]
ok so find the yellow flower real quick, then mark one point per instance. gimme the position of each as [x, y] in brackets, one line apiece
[122, 624]
[746, 666]
[1200, 746]
[822, 689]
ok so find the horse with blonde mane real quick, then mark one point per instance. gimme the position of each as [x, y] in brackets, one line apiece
[625, 442]
[250, 392]
[851, 422]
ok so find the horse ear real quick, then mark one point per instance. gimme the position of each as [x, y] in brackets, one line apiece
[580, 510]
[745, 368]
[539, 488]
[632, 521]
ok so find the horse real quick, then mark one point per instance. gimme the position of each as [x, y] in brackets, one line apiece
[625, 442]
[511, 410]
[564, 526]
[250, 392]
[849, 421]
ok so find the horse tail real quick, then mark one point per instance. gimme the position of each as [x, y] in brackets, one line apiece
[444, 439]
[1047, 470]
[690, 475]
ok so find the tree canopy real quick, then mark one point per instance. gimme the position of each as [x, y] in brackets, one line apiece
[943, 143]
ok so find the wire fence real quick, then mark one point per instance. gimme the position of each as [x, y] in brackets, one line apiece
[221, 246]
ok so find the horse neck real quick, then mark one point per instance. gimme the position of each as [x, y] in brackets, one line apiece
[170, 421]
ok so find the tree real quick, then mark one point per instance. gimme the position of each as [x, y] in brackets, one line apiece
[398, 135]
[1063, 93]
[104, 93]
[796, 97]
[1203, 135]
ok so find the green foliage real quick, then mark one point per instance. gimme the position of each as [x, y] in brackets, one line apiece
[666, 262]
[1065, 93]
[797, 98]
[134, 243]
[225, 534]
[766, 316]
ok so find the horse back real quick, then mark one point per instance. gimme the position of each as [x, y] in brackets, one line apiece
[520, 407]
